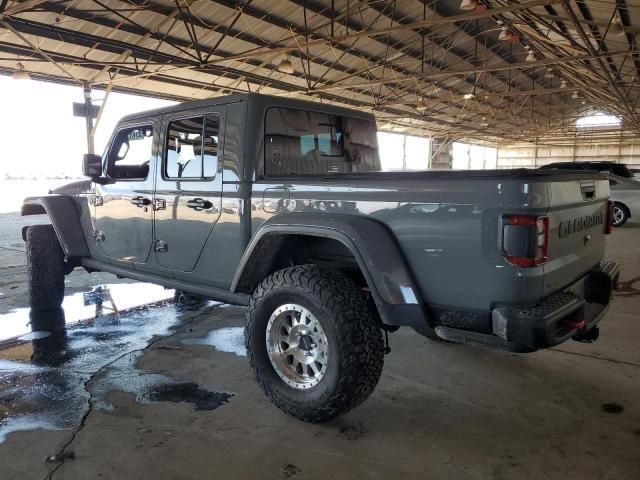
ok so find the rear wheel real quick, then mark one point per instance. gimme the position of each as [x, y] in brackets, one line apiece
[312, 342]
[620, 214]
[45, 267]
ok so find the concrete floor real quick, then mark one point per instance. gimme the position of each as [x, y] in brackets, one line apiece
[439, 411]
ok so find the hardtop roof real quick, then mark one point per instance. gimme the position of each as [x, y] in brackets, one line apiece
[257, 100]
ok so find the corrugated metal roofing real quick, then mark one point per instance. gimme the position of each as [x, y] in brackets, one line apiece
[421, 66]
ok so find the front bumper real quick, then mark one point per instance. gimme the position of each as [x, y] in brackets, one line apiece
[565, 314]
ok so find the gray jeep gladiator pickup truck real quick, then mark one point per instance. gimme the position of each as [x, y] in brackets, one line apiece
[281, 205]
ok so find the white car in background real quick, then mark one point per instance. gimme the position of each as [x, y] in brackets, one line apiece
[625, 195]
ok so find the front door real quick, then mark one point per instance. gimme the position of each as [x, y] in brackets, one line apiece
[123, 206]
[188, 195]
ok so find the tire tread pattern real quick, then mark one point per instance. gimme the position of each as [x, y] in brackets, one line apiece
[45, 267]
[361, 344]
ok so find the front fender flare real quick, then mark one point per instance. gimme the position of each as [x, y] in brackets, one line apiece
[64, 213]
[373, 246]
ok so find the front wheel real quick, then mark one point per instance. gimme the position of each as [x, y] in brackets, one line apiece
[46, 267]
[312, 342]
[620, 214]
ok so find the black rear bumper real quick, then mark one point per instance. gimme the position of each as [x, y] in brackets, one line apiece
[571, 312]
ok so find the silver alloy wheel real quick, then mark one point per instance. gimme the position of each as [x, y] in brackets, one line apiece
[618, 215]
[297, 346]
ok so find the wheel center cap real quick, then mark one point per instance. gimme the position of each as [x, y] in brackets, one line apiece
[306, 343]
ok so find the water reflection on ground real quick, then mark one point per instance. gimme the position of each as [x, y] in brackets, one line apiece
[49, 358]
[229, 340]
[80, 306]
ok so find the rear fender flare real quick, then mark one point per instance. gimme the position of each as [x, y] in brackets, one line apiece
[371, 243]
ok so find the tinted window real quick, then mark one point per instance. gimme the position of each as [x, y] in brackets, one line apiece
[131, 153]
[301, 142]
[192, 148]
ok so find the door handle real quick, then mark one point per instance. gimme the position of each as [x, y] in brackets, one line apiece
[140, 201]
[199, 204]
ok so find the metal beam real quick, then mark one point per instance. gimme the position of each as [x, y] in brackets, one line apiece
[375, 32]
[22, 7]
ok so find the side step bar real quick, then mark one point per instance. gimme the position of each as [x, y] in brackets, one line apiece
[213, 293]
[481, 339]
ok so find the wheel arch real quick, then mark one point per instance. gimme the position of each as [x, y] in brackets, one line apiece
[380, 262]
[64, 214]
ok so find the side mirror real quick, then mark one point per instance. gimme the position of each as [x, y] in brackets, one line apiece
[92, 165]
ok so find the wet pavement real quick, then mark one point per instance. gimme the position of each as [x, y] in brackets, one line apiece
[222, 339]
[90, 304]
[47, 376]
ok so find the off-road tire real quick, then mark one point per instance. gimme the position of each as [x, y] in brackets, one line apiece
[623, 212]
[45, 267]
[354, 337]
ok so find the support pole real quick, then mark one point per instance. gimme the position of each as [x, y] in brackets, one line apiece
[404, 152]
[88, 118]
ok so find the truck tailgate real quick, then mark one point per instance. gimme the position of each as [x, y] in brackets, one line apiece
[577, 224]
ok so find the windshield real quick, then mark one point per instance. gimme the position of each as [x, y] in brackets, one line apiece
[302, 142]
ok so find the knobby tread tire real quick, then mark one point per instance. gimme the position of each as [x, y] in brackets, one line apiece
[360, 344]
[45, 267]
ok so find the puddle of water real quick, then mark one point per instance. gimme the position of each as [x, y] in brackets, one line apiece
[229, 340]
[44, 368]
[86, 305]
[24, 426]
[191, 393]
[123, 376]
[42, 376]
[37, 335]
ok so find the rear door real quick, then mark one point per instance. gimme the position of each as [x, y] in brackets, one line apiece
[188, 192]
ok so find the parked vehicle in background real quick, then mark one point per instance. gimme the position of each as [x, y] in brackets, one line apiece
[282, 205]
[619, 169]
[625, 195]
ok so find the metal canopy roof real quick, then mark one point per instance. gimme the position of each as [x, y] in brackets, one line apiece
[424, 67]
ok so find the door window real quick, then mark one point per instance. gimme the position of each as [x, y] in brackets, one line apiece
[131, 153]
[192, 148]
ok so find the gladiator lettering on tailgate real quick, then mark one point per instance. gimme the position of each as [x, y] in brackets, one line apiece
[581, 223]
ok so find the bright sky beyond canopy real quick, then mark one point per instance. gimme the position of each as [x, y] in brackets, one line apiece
[40, 137]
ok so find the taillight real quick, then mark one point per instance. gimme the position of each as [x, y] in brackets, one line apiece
[525, 240]
[608, 228]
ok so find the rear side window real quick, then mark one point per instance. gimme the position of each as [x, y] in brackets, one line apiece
[302, 142]
[130, 153]
[192, 148]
